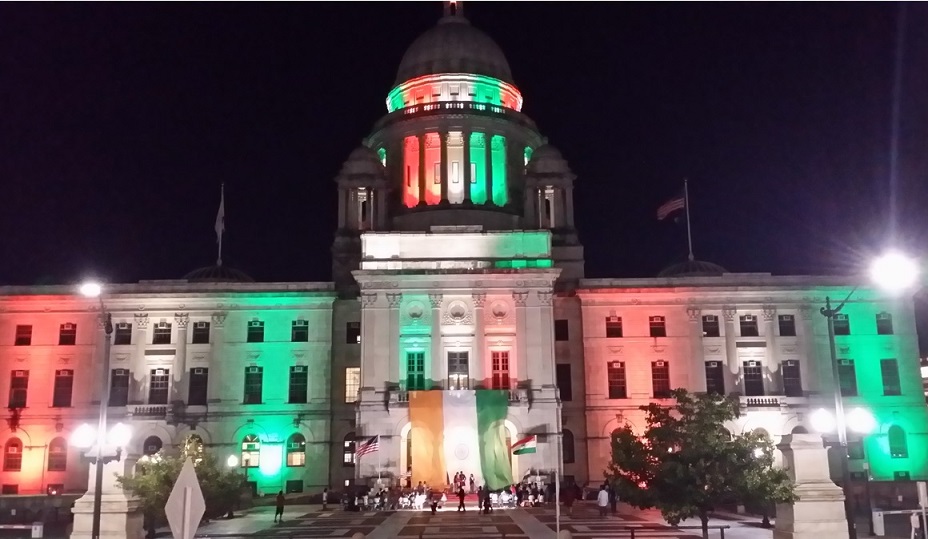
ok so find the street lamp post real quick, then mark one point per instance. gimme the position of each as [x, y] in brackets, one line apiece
[95, 290]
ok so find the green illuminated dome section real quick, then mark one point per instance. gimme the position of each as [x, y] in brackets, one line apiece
[454, 87]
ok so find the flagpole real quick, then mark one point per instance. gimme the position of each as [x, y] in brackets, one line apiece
[378, 460]
[686, 203]
[222, 210]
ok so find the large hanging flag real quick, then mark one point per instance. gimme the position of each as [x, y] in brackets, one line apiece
[529, 444]
[460, 431]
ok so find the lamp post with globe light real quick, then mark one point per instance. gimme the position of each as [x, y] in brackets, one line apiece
[893, 272]
[85, 436]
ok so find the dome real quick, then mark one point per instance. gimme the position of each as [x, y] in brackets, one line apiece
[454, 46]
[693, 268]
[218, 274]
[546, 159]
[362, 160]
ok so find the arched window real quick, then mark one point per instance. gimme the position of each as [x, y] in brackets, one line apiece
[348, 450]
[898, 447]
[13, 455]
[296, 450]
[152, 445]
[568, 446]
[251, 451]
[57, 455]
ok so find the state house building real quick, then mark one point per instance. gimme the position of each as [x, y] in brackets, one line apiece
[456, 265]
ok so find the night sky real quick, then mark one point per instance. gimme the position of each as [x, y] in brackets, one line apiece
[119, 122]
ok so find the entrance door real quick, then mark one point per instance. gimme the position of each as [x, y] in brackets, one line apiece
[458, 372]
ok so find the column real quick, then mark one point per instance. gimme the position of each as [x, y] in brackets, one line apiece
[531, 199]
[437, 362]
[422, 184]
[697, 365]
[733, 381]
[773, 382]
[342, 203]
[138, 373]
[466, 165]
[369, 366]
[443, 169]
[521, 338]
[179, 367]
[219, 376]
[569, 196]
[488, 138]
[808, 366]
[394, 300]
[480, 371]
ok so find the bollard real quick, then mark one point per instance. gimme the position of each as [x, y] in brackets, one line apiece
[358, 535]
[564, 534]
[38, 530]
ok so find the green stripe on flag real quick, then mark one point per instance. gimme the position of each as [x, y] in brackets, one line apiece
[492, 408]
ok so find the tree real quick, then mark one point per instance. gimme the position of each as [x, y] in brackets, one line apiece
[686, 464]
[155, 476]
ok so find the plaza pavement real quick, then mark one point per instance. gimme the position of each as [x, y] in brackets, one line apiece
[310, 522]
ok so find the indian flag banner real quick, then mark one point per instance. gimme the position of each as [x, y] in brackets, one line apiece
[529, 444]
[459, 431]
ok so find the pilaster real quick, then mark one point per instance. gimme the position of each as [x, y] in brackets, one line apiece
[774, 374]
[394, 300]
[179, 367]
[138, 373]
[697, 360]
[438, 366]
[808, 369]
[370, 369]
[481, 370]
[733, 381]
[519, 298]
[217, 383]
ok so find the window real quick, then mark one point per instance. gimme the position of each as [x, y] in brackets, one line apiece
[473, 173]
[57, 455]
[123, 334]
[567, 445]
[897, 476]
[890, 371]
[613, 327]
[352, 383]
[792, 380]
[13, 455]
[162, 333]
[898, 447]
[23, 336]
[458, 370]
[748, 325]
[753, 379]
[787, 323]
[296, 450]
[561, 330]
[299, 331]
[455, 172]
[67, 334]
[618, 388]
[254, 384]
[294, 486]
[255, 331]
[10, 490]
[200, 333]
[710, 326]
[64, 385]
[251, 451]
[500, 360]
[847, 377]
[842, 324]
[855, 450]
[299, 382]
[198, 387]
[660, 379]
[158, 386]
[348, 450]
[353, 333]
[437, 173]
[715, 378]
[564, 382]
[152, 445]
[884, 324]
[657, 326]
[119, 387]
[415, 371]
[19, 386]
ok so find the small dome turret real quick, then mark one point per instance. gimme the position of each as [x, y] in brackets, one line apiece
[546, 159]
[218, 274]
[693, 268]
[362, 161]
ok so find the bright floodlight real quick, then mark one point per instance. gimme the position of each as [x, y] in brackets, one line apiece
[119, 435]
[91, 289]
[232, 461]
[822, 420]
[894, 271]
[860, 420]
[84, 436]
[758, 452]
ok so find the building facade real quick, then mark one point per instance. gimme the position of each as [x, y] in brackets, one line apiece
[456, 267]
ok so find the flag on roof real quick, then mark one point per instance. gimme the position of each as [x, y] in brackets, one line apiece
[676, 203]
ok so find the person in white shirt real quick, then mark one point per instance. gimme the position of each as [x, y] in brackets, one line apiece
[602, 501]
[916, 524]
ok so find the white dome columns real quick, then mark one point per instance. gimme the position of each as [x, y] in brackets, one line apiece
[362, 192]
[549, 191]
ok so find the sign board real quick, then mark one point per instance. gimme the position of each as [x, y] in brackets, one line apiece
[922, 493]
[185, 505]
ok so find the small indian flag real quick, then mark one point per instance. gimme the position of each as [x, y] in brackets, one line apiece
[525, 445]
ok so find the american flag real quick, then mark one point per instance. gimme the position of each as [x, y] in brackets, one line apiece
[674, 204]
[371, 445]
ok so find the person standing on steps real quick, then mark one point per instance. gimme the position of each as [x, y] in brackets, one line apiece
[461, 496]
[472, 483]
[279, 513]
[325, 498]
[602, 501]
[916, 524]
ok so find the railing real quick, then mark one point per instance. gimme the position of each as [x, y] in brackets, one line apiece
[157, 412]
[401, 396]
[451, 107]
[772, 401]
